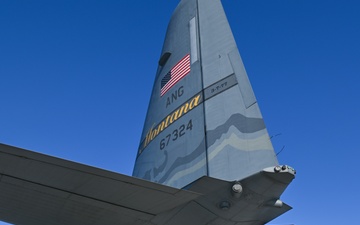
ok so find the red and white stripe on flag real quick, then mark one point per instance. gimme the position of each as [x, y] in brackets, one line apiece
[179, 71]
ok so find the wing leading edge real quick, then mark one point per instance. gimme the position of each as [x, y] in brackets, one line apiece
[38, 189]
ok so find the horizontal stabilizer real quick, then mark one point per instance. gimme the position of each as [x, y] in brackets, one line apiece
[36, 189]
[257, 200]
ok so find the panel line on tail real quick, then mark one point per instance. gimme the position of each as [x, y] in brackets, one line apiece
[202, 88]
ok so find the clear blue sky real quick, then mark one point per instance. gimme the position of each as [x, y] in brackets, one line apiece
[76, 77]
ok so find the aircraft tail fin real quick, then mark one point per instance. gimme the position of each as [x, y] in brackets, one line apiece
[203, 117]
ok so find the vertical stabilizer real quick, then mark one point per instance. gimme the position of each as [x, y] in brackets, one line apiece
[203, 118]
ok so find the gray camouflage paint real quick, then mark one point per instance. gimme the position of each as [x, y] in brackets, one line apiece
[223, 135]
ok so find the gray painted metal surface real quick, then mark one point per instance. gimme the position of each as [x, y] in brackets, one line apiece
[36, 189]
[175, 153]
[228, 139]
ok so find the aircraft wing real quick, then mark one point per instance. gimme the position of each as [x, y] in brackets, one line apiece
[36, 189]
[257, 204]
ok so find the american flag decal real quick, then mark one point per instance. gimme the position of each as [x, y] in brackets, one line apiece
[180, 70]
